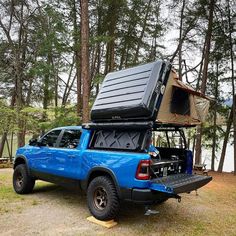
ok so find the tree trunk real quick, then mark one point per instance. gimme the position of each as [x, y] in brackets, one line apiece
[96, 56]
[29, 92]
[198, 153]
[21, 133]
[12, 136]
[226, 138]
[201, 65]
[126, 43]
[19, 80]
[153, 53]
[232, 79]
[56, 89]
[214, 124]
[77, 58]
[46, 91]
[198, 145]
[19, 105]
[9, 150]
[142, 32]
[122, 57]
[113, 13]
[85, 58]
[208, 46]
[180, 39]
[2, 144]
[4, 135]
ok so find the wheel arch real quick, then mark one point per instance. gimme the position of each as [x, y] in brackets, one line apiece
[100, 171]
[20, 159]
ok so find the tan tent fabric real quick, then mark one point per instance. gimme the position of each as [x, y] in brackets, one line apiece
[202, 106]
[198, 104]
[188, 89]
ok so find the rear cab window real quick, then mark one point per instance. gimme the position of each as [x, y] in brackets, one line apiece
[70, 138]
[50, 139]
[169, 139]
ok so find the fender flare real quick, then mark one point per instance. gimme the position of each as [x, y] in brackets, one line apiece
[105, 170]
[25, 160]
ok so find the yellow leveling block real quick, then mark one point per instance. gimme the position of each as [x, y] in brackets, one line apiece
[108, 224]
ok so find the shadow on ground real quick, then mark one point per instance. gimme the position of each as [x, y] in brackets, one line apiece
[129, 212]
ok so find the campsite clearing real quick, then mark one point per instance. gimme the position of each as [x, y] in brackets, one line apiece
[53, 210]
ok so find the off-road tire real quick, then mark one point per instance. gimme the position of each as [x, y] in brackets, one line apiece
[106, 211]
[22, 181]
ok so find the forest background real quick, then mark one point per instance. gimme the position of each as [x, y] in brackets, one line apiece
[54, 56]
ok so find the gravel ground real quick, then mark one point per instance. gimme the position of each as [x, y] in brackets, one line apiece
[53, 210]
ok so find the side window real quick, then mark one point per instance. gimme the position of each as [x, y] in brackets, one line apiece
[70, 139]
[50, 139]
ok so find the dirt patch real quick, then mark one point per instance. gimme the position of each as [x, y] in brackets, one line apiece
[53, 210]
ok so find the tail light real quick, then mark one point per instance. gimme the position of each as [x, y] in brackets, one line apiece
[143, 172]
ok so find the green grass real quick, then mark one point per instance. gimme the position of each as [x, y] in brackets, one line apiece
[7, 194]
[11, 201]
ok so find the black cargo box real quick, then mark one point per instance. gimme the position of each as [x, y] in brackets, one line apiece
[131, 94]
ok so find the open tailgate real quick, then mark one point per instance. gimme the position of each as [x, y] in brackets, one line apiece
[179, 183]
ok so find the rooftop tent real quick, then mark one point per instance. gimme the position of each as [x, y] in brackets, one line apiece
[149, 92]
[131, 94]
[181, 104]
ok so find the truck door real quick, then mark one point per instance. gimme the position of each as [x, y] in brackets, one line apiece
[41, 156]
[66, 157]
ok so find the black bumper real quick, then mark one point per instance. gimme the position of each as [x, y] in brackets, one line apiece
[147, 196]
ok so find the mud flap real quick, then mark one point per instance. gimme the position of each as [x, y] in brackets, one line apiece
[179, 183]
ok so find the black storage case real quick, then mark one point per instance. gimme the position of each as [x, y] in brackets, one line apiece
[131, 94]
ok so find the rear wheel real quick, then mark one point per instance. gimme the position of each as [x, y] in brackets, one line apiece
[22, 181]
[102, 198]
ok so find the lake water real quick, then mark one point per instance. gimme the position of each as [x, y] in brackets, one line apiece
[229, 158]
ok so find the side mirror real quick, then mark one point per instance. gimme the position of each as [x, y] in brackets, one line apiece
[33, 142]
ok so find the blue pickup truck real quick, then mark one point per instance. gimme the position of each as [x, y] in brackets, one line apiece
[73, 156]
[110, 158]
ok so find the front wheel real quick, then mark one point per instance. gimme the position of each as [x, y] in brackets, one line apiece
[102, 198]
[22, 181]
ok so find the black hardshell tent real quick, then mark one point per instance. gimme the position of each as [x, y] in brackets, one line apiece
[150, 92]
